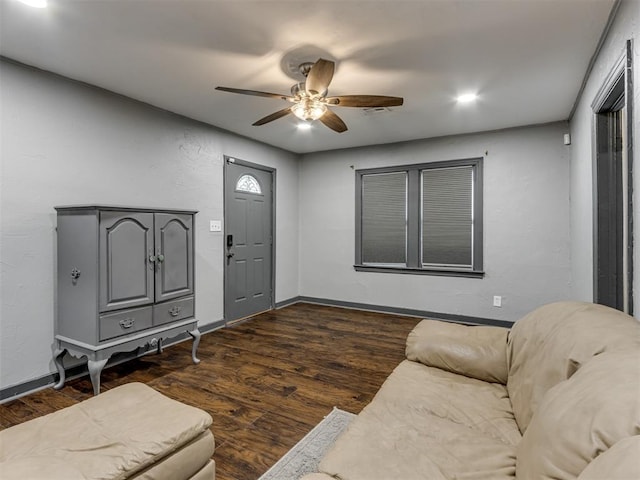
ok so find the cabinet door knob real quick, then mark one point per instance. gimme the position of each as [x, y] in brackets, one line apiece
[152, 257]
[160, 258]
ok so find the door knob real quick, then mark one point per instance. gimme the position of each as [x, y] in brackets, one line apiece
[230, 254]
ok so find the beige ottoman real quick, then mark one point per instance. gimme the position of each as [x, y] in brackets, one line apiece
[129, 432]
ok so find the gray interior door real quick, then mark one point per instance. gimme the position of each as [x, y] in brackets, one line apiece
[248, 240]
[126, 274]
[174, 253]
[613, 190]
[609, 265]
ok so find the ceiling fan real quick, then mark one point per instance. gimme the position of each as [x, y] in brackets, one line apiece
[310, 101]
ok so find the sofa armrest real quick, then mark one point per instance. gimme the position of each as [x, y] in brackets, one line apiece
[473, 351]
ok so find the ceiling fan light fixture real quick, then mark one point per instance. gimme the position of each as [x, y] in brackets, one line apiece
[35, 3]
[467, 98]
[310, 101]
[309, 109]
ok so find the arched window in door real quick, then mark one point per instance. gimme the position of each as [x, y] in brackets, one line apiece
[248, 184]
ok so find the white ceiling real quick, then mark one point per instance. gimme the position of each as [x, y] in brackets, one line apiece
[525, 58]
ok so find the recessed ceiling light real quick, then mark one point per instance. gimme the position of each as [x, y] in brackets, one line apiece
[35, 3]
[304, 126]
[467, 98]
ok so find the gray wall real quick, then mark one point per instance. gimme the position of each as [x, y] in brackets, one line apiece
[626, 26]
[66, 143]
[526, 228]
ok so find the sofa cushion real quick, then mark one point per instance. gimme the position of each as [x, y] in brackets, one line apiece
[317, 476]
[111, 436]
[208, 472]
[620, 462]
[551, 343]
[582, 417]
[188, 460]
[475, 351]
[428, 423]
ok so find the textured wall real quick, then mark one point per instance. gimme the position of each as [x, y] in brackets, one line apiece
[626, 26]
[526, 225]
[66, 143]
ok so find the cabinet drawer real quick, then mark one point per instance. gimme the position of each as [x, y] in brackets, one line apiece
[124, 323]
[171, 311]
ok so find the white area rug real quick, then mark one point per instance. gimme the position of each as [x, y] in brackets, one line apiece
[304, 457]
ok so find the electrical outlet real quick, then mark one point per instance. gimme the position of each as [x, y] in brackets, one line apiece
[215, 226]
[497, 301]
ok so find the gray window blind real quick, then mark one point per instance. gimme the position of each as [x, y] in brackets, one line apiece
[384, 218]
[447, 216]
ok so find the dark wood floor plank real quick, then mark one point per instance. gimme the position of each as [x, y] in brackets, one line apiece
[17, 411]
[44, 402]
[266, 381]
[327, 370]
[244, 461]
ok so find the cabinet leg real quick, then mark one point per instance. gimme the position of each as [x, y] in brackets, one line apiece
[195, 334]
[57, 358]
[95, 369]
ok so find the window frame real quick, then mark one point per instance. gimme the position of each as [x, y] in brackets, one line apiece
[414, 220]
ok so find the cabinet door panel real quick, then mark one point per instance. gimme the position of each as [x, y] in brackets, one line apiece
[174, 242]
[126, 274]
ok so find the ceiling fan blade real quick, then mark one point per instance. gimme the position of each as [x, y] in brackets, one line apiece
[319, 77]
[256, 93]
[364, 101]
[333, 121]
[273, 116]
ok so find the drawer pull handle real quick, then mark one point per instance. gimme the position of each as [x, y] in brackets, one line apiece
[175, 311]
[127, 322]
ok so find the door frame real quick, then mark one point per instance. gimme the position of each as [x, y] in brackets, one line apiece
[620, 75]
[227, 160]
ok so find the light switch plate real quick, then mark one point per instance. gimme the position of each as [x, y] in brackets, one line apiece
[215, 226]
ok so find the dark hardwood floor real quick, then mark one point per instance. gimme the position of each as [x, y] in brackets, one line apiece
[266, 382]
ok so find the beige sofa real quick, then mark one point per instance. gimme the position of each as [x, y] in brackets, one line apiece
[555, 397]
[129, 432]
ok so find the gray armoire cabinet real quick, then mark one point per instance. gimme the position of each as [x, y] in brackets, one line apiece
[125, 280]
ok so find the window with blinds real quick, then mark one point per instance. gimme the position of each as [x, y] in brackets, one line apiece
[384, 218]
[447, 216]
[424, 218]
